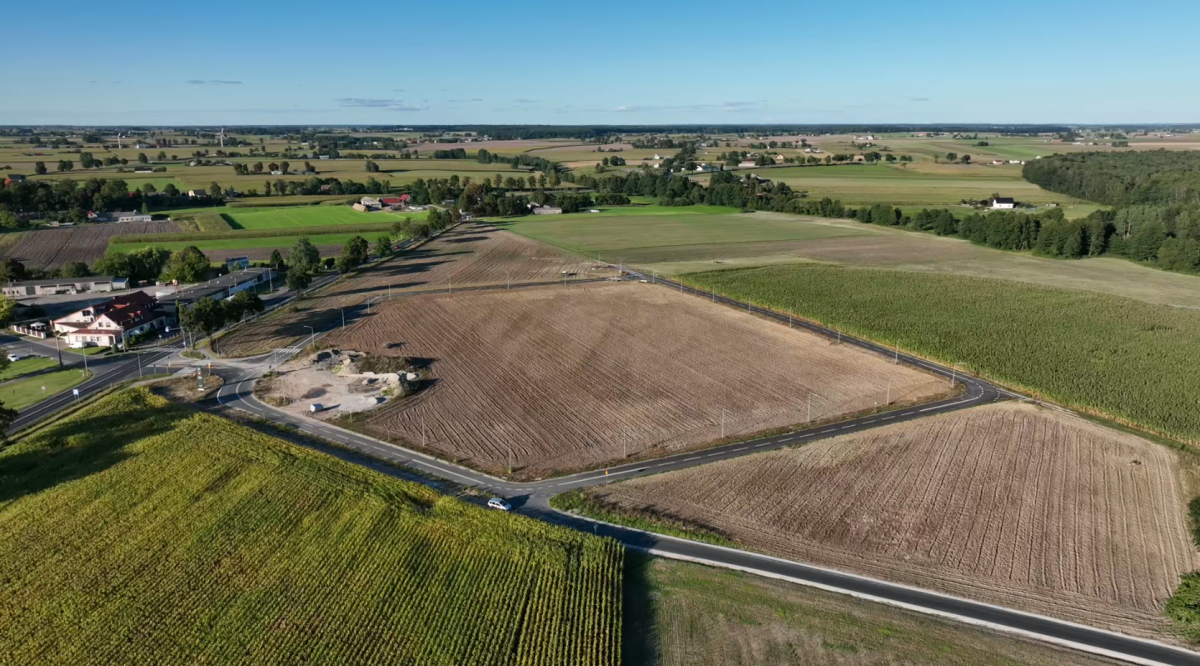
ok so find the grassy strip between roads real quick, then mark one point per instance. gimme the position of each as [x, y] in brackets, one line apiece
[32, 390]
[26, 366]
[577, 501]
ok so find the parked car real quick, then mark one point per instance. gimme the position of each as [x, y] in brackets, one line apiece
[14, 357]
[497, 503]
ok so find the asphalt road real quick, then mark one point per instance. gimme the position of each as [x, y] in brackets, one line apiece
[532, 499]
[106, 371]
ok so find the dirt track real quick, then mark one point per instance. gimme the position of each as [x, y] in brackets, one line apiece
[49, 249]
[1009, 503]
[562, 378]
[470, 254]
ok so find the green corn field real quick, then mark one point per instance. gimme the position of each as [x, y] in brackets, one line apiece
[141, 532]
[1131, 361]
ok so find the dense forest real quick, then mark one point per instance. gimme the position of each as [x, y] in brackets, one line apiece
[1157, 195]
[1121, 179]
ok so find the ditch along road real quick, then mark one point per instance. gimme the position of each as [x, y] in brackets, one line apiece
[532, 499]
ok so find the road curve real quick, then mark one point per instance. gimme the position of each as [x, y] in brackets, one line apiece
[532, 499]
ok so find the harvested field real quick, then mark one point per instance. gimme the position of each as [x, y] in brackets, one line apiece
[468, 255]
[564, 378]
[48, 249]
[1013, 504]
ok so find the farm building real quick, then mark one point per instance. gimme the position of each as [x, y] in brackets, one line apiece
[747, 163]
[547, 210]
[119, 216]
[237, 263]
[197, 194]
[64, 286]
[108, 323]
[706, 168]
[218, 288]
[14, 178]
[1003, 203]
[369, 202]
[391, 201]
[359, 207]
[780, 159]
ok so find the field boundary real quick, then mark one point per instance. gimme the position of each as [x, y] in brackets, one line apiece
[659, 552]
[234, 234]
[1016, 390]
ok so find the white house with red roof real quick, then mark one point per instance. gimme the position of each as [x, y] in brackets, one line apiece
[112, 321]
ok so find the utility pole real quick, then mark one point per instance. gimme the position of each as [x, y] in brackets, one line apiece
[789, 321]
[809, 419]
[897, 360]
[58, 350]
[312, 339]
[422, 431]
[343, 311]
[139, 360]
[889, 392]
[953, 371]
[722, 423]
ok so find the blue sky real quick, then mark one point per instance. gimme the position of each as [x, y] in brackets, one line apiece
[359, 62]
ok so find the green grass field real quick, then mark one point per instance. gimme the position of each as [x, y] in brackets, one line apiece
[684, 613]
[912, 186]
[682, 229]
[307, 216]
[23, 393]
[141, 532]
[26, 366]
[1131, 361]
[249, 242]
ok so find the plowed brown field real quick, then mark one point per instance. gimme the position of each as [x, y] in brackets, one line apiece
[49, 249]
[563, 378]
[1007, 503]
[468, 255]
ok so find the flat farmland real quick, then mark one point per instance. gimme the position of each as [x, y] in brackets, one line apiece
[218, 249]
[307, 216]
[869, 184]
[564, 378]
[1012, 504]
[693, 615]
[142, 532]
[855, 244]
[676, 231]
[468, 255]
[48, 249]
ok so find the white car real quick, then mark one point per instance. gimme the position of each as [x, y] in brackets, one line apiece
[14, 357]
[497, 503]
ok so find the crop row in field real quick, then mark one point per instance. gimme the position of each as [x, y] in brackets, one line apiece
[617, 232]
[141, 532]
[49, 249]
[1009, 503]
[469, 254]
[1132, 361]
[556, 379]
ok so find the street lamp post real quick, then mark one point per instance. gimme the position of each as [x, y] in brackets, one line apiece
[312, 340]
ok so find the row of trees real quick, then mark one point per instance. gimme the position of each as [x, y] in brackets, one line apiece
[208, 315]
[1141, 233]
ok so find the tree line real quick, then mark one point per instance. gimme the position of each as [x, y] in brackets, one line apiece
[1164, 236]
[1157, 199]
